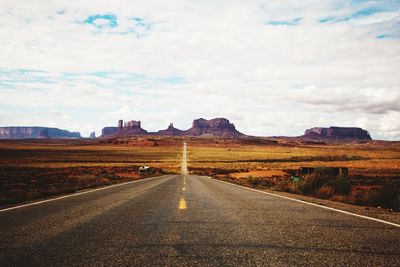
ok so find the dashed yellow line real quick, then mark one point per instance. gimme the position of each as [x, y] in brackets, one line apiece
[183, 188]
[182, 204]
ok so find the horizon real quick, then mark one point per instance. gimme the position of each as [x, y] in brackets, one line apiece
[272, 69]
[98, 134]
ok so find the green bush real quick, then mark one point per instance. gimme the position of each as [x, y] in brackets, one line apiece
[323, 178]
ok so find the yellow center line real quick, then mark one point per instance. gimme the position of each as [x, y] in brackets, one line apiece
[182, 204]
[183, 188]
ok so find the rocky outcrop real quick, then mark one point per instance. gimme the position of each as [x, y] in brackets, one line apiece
[106, 131]
[337, 133]
[215, 127]
[21, 132]
[44, 134]
[92, 135]
[170, 131]
[219, 127]
[130, 128]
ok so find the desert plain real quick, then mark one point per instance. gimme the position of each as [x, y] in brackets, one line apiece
[35, 169]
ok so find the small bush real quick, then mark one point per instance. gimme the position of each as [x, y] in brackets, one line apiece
[255, 181]
[341, 198]
[341, 185]
[388, 197]
[325, 192]
[260, 182]
[364, 196]
[313, 183]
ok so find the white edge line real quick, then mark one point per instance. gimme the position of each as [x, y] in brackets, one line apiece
[79, 193]
[312, 204]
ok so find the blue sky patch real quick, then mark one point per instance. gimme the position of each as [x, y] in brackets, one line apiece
[366, 12]
[362, 9]
[383, 36]
[358, 14]
[328, 19]
[102, 20]
[291, 22]
[37, 79]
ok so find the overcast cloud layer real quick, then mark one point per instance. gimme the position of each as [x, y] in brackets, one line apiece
[271, 67]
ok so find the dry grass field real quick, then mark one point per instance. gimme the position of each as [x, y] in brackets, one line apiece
[31, 169]
[374, 168]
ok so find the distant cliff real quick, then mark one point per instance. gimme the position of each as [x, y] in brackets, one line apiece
[109, 131]
[130, 128]
[20, 132]
[337, 133]
[215, 127]
[219, 127]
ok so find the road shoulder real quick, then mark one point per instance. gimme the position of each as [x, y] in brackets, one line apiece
[373, 212]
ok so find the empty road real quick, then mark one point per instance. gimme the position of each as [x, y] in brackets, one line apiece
[184, 220]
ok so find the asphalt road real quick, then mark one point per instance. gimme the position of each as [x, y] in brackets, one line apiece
[190, 220]
[184, 220]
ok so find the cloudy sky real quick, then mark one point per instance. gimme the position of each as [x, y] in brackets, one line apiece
[271, 67]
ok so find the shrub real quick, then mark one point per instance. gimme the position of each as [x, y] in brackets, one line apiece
[364, 196]
[325, 192]
[388, 197]
[311, 183]
[260, 182]
[341, 185]
[341, 198]
[323, 178]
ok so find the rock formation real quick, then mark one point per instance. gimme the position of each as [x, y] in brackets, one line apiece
[337, 133]
[215, 127]
[20, 132]
[109, 131]
[92, 135]
[130, 128]
[221, 127]
[44, 134]
[170, 131]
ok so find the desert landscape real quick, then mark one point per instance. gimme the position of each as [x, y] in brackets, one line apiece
[200, 133]
[37, 168]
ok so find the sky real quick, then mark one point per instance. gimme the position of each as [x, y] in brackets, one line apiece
[270, 67]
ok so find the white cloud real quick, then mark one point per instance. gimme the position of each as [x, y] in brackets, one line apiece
[231, 62]
[390, 125]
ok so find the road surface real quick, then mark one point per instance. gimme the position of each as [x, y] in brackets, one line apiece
[185, 220]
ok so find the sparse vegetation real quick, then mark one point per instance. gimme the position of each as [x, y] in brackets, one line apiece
[374, 169]
[34, 169]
